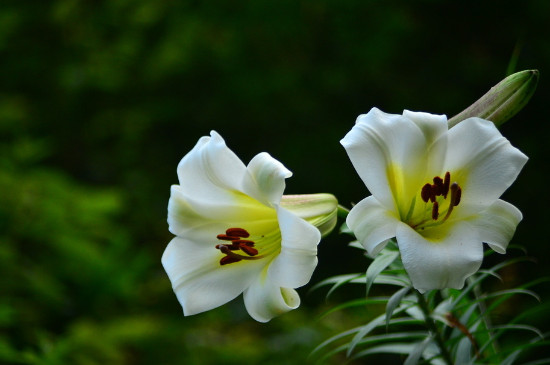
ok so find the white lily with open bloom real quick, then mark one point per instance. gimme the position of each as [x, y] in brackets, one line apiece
[236, 233]
[436, 190]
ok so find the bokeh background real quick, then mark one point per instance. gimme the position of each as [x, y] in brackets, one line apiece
[99, 100]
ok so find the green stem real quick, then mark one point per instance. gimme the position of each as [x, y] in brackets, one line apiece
[342, 211]
[433, 328]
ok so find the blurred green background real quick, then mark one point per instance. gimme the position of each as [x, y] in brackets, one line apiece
[99, 100]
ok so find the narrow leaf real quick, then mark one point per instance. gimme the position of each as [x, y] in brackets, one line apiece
[417, 352]
[394, 302]
[383, 260]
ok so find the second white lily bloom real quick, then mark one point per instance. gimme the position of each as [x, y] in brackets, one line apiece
[435, 190]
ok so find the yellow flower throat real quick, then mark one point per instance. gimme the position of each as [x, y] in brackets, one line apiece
[440, 198]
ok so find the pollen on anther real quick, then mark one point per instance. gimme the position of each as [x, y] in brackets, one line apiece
[244, 242]
[458, 195]
[446, 184]
[426, 192]
[237, 232]
[435, 211]
[250, 251]
[228, 260]
[438, 184]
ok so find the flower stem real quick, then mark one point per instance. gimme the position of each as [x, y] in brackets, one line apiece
[433, 328]
[342, 211]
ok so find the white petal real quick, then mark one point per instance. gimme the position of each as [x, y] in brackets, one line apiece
[265, 300]
[198, 279]
[203, 219]
[433, 126]
[386, 150]
[265, 180]
[483, 162]
[373, 224]
[443, 259]
[211, 171]
[497, 224]
[293, 267]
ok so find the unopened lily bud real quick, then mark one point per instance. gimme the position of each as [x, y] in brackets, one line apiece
[503, 100]
[319, 210]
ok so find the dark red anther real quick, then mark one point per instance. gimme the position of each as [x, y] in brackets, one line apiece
[232, 247]
[446, 184]
[435, 211]
[458, 195]
[433, 193]
[228, 260]
[438, 183]
[250, 251]
[225, 237]
[426, 192]
[237, 232]
[244, 242]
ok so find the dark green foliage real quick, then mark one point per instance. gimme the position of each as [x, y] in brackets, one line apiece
[99, 100]
[463, 321]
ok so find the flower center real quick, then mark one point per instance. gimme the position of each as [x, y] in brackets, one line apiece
[241, 246]
[440, 198]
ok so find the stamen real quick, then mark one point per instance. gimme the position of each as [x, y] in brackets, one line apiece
[236, 235]
[458, 195]
[232, 247]
[446, 184]
[244, 242]
[251, 251]
[435, 211]
[426, 192]
[237, 232]
[438, 185]
[433, 193]
[228, 260]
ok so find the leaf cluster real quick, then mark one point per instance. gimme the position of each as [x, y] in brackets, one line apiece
[438, 327]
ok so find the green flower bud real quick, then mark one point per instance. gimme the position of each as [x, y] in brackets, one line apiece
[503, 100]
[318, 209]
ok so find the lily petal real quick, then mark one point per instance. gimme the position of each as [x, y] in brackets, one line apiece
[198, 279]
[443, 258]
[434, 127]
[211, 171]
[265, 180]
[372, 224]
[497, 224]
[483, 162]
[295, 264]
[203, 219]
[385, 149]
[264, 299]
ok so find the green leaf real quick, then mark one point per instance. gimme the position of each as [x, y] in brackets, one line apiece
[376, 322]
[383, 260]
[388, 337]
[335, 280]
[394, 302]
[464, 351]
[355, 303]
[394, 348]
[417, 351]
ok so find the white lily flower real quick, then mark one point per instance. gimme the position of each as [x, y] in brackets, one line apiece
[436, 190]
[234, 236]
